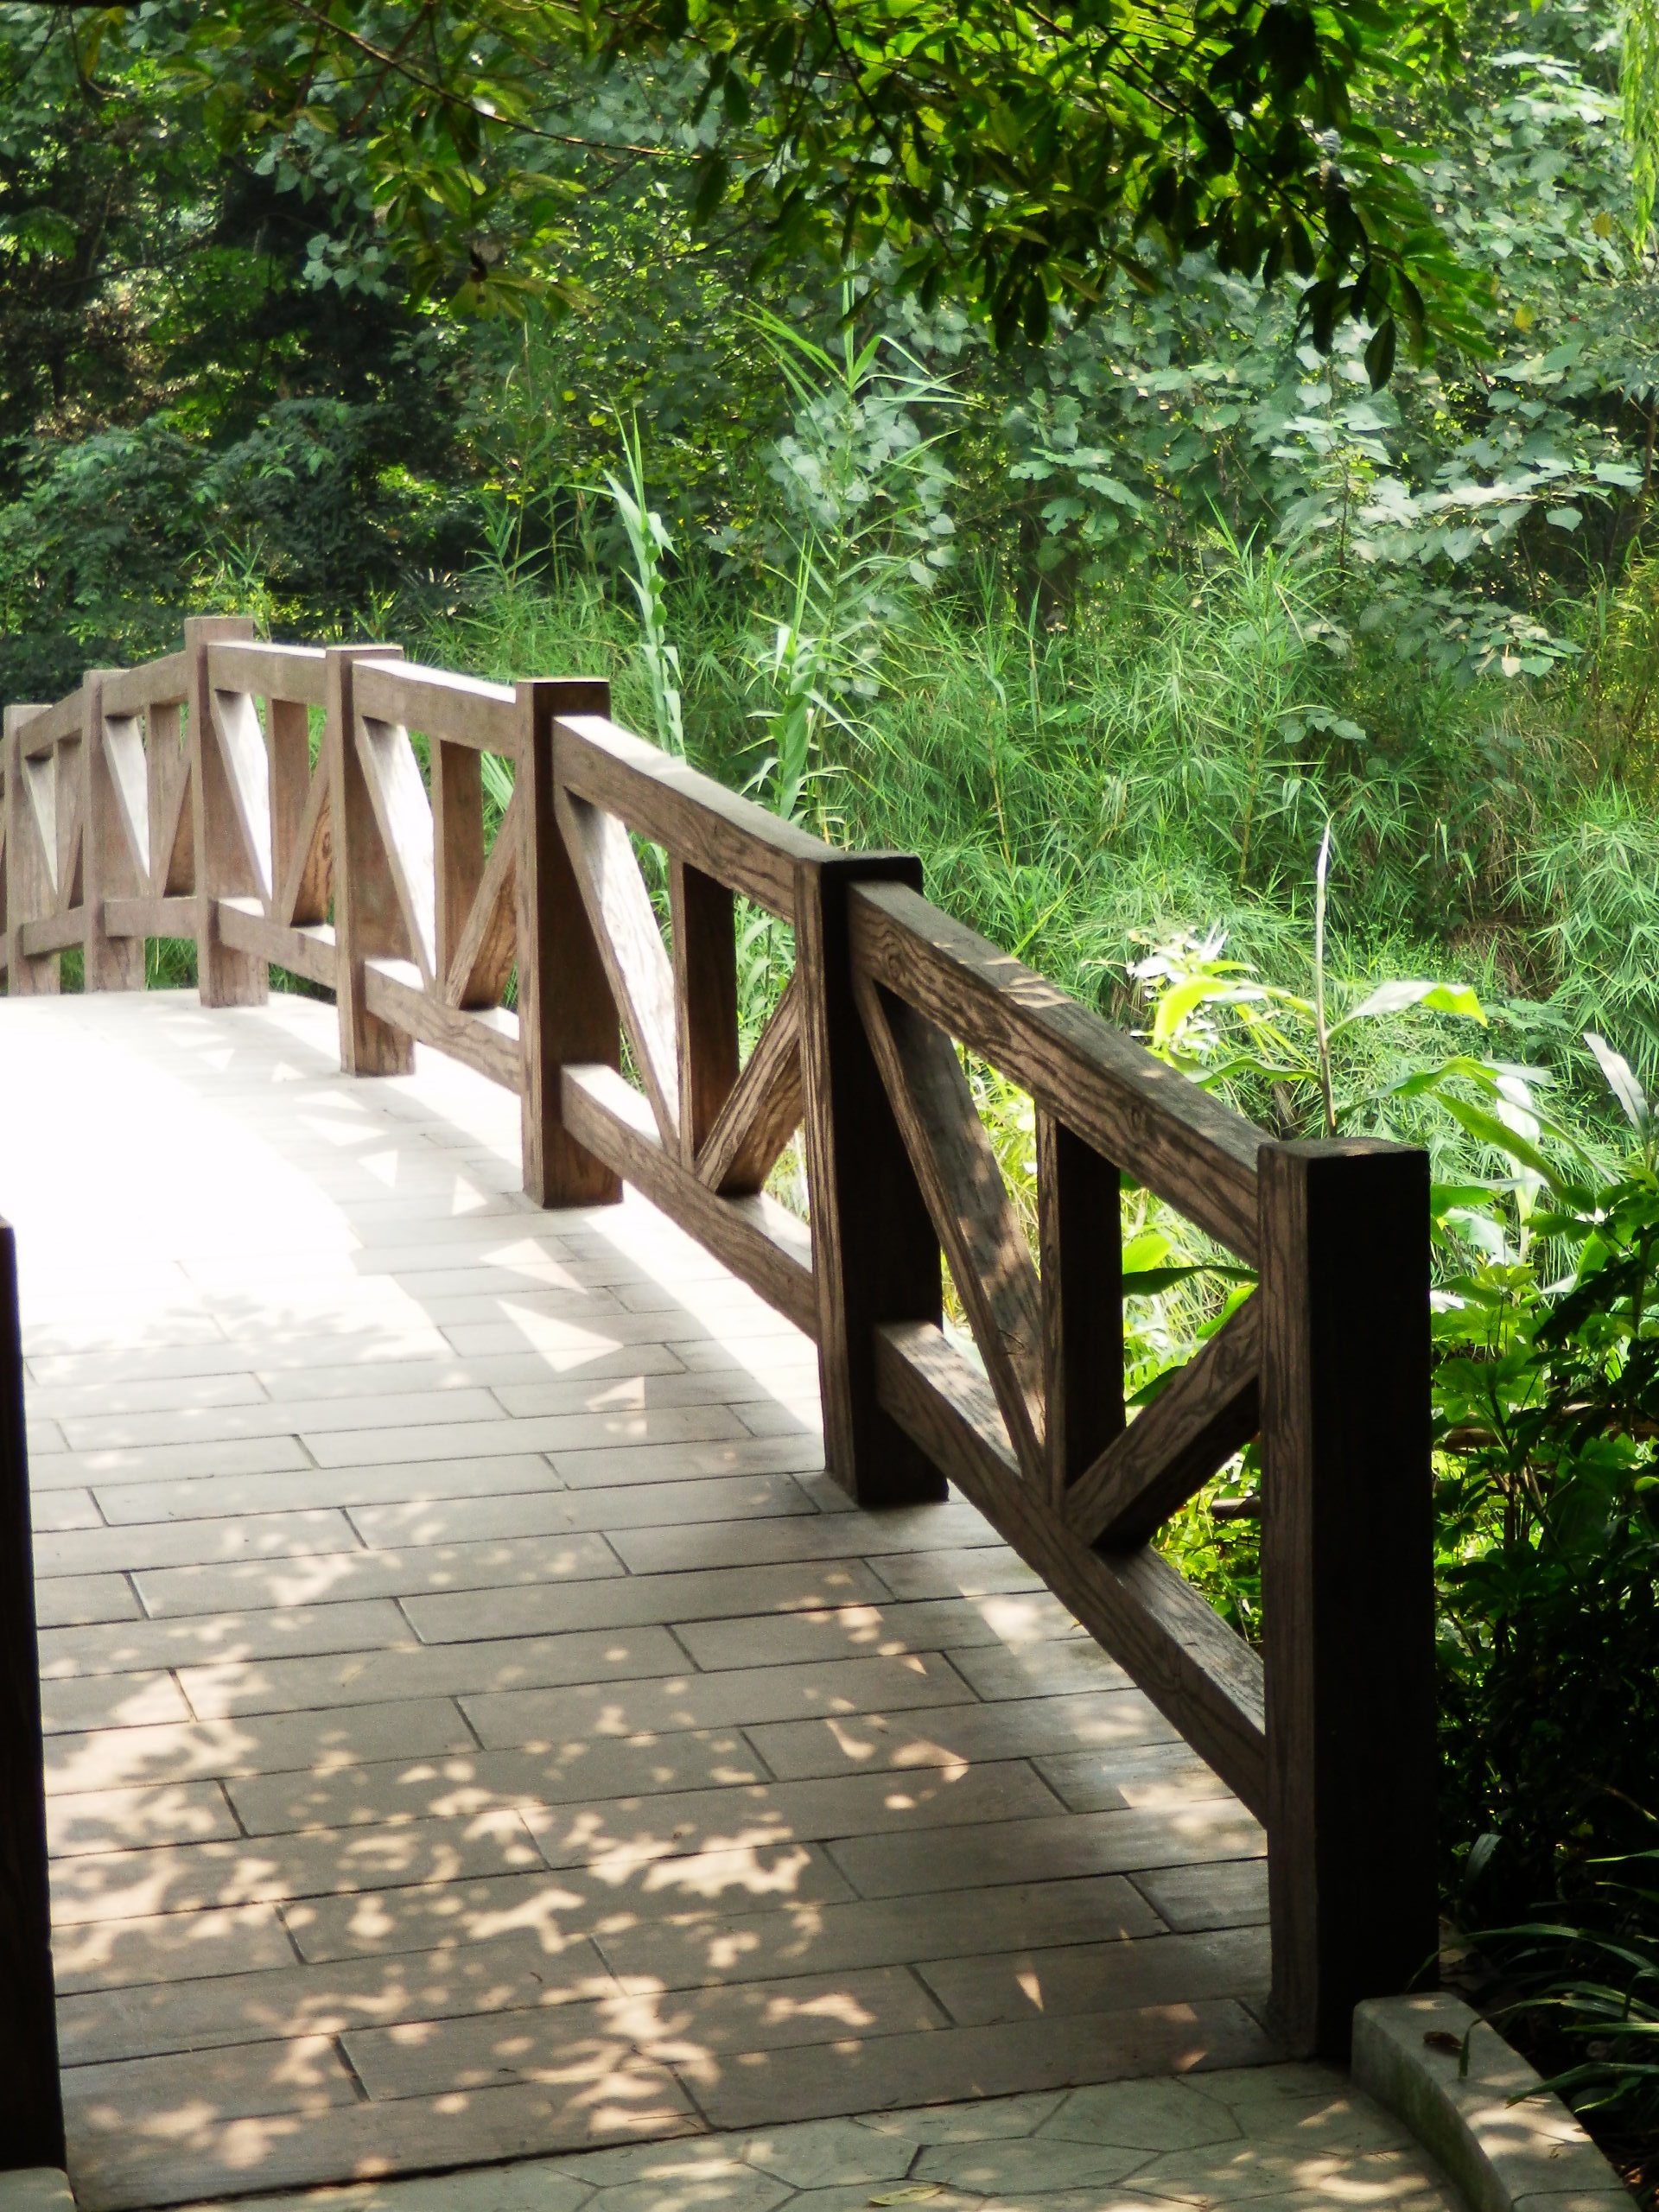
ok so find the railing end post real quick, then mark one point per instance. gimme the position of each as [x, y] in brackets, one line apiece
[1347, 1580]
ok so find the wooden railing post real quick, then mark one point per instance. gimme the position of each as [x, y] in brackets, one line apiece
[27, 884]
[31, 2107]
[111, 963]
[223, 869]
[566, 1012]
[874, 1256]
[368, 921]
[1347, 1580]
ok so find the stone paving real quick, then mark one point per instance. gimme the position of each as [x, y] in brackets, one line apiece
[1276, 2139]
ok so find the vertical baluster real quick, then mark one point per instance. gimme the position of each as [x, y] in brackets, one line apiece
[368, 920]
[1081, 1245]
[566, 1012]
[223, 869]
[29, 880]
[457, 787]
[111, 872]
[1347, 1580]
[874, 1254]
[288, 747]
[705, 1000]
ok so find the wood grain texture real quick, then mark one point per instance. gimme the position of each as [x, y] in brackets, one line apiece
[485, 1042]
[156, 684]
[763, 1109]
[455, 777]
[129, 789]
[704, 932]
[172, 844]
[968, 1203]
[739, 844]
[288, 747]
[310, 951]
[52, 933]
[305, 879]
[1080, 1243]
[768, 1249]
[1347, 1580]
[637, 967]
[368, 919]
[566, 1012]
[487, 943]
[875, 1256]
[144, 917]
[29, 876]
[223, 867]
[48, 726]
[1205, 1680]
[402, 814]
[31, 2110]
[247, 768]
[295, 674]
[464, 709]
[1201, 1417]
[1132, 1108]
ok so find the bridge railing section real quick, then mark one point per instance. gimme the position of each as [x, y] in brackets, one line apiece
[161, 801]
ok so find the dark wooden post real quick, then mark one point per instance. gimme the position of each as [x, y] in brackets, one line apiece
[27, 882]
[110, 870]
[224, 869]
[705, 995]
[874, 1251]
[1079, 1232]
[368, 921]
[1347, 1580]
[31, 2106]
[566, 1012]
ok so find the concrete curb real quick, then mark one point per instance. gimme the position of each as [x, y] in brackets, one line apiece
[35, 2189]
[1532, 2157]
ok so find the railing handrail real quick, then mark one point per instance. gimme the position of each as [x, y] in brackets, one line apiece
[376, 881]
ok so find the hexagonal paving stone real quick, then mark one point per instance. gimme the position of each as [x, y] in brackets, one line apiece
[1142, 2115]
[1037, 2166]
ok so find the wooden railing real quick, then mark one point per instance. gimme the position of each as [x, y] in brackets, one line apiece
[122, 821]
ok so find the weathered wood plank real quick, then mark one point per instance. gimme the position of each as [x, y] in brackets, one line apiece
[630, 946]
[164, 683]
[47, 727]
[142, 917]
[172, 848]
[31, 2111]
[1194, 1426]
[1347, 1580]
[704, 931]
[224, 867]
[128, 784]
[54, 933]
[456, 776]
[1149, 1117]
[969, 1205]
[755, 1238]
[487, 1041]
[1080, 1243]
[763, 1109]
[288, 745]
[248, 773]
[310, 951]
[402, 814]
[368, 918]
[29, 873]
[306, 881]
[462, 708]
[739, 844]
[112, 863]
[487, 943]
[874, 1252]
[1204, 1680]
[293, 673]
[566, 1012]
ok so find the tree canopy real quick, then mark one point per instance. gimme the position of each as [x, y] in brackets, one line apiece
[1015, 157]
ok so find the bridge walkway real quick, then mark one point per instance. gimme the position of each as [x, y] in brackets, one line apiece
[476, 1725]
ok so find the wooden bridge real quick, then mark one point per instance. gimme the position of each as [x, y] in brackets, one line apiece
[523, 1669]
